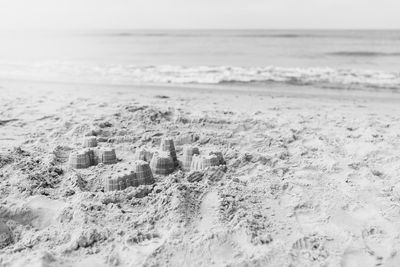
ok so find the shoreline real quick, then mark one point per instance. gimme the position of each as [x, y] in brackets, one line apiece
[243, 88]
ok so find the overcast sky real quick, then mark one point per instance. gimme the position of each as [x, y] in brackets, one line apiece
[144, 14]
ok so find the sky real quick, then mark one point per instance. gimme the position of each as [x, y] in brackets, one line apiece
[203, 14]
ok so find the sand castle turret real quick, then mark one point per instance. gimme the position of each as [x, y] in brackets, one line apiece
[130, 178]
[203, 162]
[79, 159]
[188, 153]
[90, 141]
[143, 154]
[140, 175]
[219, 155]
[143, 173]
[210, 160]
[167, 145]
[93, 156]
[120, 181]
[162, 163]
[107, 155]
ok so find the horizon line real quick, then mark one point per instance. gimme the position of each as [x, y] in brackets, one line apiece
[202, 29]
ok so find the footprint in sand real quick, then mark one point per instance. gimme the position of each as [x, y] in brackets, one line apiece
[38, 211]
[209, 212]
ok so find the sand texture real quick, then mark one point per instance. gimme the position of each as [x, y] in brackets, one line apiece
[311, 179]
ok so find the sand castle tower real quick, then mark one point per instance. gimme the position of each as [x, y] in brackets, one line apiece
[93, 156]
[203, 162]
[162, 163]
[143, 173]
[219, 155]
[90, 141]
[79, 160]
[140, 175]
[120, 181]
[143, 154]
[111, 184]
[197, 163]
[107, 155]
[167, 144]
[130, 178]
[188, 153]
[210, 160]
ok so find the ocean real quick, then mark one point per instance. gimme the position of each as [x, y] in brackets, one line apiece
[333, 59]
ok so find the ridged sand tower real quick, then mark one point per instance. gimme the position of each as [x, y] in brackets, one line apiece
[162, 163]
[188, 153]
[167, 144]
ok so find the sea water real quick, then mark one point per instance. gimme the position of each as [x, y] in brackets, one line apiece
[335, 59]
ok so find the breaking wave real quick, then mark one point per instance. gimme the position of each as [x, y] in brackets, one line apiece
[129, 74]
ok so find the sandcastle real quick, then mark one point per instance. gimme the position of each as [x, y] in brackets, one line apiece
[188, 153]
[167, 144]
[90, 141]
[143, 154]
[162, 163]
[141, 175]
[147, 162]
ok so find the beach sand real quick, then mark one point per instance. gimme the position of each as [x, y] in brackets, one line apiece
[312, 177]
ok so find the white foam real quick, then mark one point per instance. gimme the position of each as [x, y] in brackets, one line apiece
[121, 74]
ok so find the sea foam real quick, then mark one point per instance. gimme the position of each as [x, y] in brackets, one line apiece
[131, 74]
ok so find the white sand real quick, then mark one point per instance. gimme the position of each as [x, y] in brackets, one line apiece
[312, 177]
